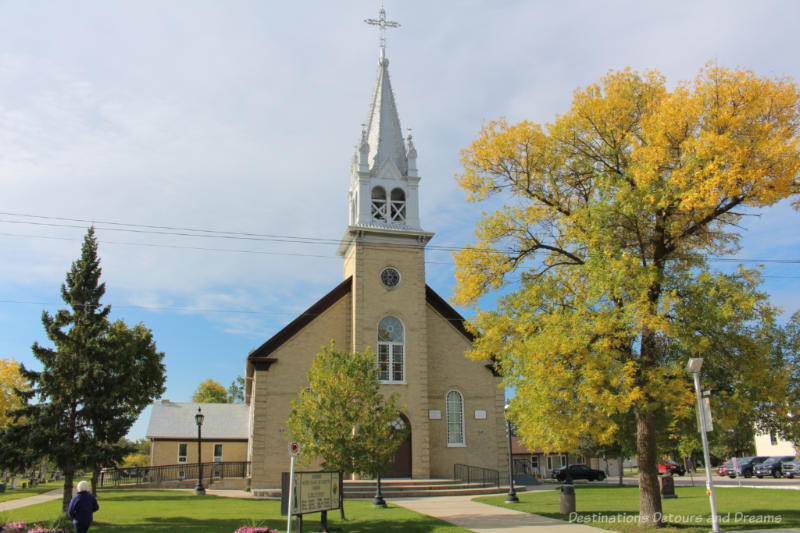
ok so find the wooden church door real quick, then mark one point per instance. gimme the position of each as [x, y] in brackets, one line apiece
[402, 457]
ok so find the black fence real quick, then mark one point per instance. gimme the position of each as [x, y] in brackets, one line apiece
[154, 474]
[476, 474]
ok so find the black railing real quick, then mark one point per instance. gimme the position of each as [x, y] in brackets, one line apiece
[179, 472]
[476, 474]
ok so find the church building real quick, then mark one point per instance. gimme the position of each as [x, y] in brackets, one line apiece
[454, 405]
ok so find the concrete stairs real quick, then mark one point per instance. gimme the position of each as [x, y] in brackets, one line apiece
[404, 488]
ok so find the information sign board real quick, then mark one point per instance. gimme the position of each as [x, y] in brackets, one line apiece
[313, 492]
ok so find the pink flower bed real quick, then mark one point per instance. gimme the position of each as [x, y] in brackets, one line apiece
[22, 527]
[248, 529]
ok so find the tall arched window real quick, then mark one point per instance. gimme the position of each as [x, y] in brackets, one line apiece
[398, 207]
[379, 211]
[391, 350]
[455, 418]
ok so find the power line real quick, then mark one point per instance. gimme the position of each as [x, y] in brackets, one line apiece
[249, 236]
[182, 231]
[196, 248]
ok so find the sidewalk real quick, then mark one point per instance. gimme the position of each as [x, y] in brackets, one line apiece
[482, 518]
[54, 494]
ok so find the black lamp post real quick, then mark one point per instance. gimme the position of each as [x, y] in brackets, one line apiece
[199, 490]
[512, 494]
[378, 501]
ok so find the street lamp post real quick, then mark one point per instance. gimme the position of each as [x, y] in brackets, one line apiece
[198, 418]
[378, 501]
[512, 494]
[693, 367]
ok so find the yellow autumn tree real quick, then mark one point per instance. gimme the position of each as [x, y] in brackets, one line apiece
[10, 379]
[601, 248]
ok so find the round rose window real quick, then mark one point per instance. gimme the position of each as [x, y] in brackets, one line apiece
[390, 277]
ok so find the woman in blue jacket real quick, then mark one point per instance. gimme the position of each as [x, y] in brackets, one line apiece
[82, 507]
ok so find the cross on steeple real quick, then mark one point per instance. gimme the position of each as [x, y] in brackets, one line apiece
[382, 23]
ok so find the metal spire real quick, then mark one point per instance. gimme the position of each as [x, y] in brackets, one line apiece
[382, 23]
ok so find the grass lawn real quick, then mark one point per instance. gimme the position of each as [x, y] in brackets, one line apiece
[24, 493]
[617, 508]
[182, 512]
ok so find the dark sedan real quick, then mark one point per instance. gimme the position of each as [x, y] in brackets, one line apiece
[745, 465]
[579, 472]
[772, 466]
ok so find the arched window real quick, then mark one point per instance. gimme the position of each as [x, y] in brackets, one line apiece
[398, 208]
[391, 349]
[455, 418]
[379, 204]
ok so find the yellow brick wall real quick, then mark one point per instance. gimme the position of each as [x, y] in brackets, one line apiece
[485, 443]
[274, 389]
[165, 452]
[434, 364]
[373, 301]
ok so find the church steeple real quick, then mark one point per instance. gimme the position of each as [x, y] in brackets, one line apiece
[384, 134]
[384, 183]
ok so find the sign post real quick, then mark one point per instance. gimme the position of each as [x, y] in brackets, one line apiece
[311, 492]
[294, 451]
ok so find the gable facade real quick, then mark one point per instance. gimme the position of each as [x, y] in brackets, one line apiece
[453, 405]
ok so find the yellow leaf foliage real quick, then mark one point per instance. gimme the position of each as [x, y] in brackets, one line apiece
[611, 212]
[10, 379]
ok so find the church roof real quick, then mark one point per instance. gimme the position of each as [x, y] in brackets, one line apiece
[383, 132]
[261, 355]
[175, 420]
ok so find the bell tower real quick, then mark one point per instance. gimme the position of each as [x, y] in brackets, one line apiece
[384, 252]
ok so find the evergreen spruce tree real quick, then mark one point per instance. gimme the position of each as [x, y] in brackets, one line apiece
[57, 425]
[94, 382]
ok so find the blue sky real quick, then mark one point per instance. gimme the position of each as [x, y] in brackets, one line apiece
[242, 116]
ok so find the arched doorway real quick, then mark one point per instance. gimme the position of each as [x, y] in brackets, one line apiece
[402, 457]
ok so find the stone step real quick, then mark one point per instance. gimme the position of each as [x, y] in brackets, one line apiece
[404, 488]
[426, 493]
[358, 483]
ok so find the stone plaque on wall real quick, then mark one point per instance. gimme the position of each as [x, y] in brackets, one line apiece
[480, 414]
[435, 414]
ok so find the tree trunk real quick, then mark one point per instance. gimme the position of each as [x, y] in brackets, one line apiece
[621, 469]
[95, 477]
[649, 492]
[43, 471]
[69, 473]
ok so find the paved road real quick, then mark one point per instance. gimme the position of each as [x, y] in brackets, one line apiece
[719, 481]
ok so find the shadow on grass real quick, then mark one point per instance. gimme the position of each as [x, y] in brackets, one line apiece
[386, 524]
[171, 496]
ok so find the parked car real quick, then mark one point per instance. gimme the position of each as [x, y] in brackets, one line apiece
[672, 467]
[791, 468]
[579, 472]
[722, 470]
[744, 466]
[772, 466]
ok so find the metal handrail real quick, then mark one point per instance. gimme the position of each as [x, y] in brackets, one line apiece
[476, 474]
[176, 472]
